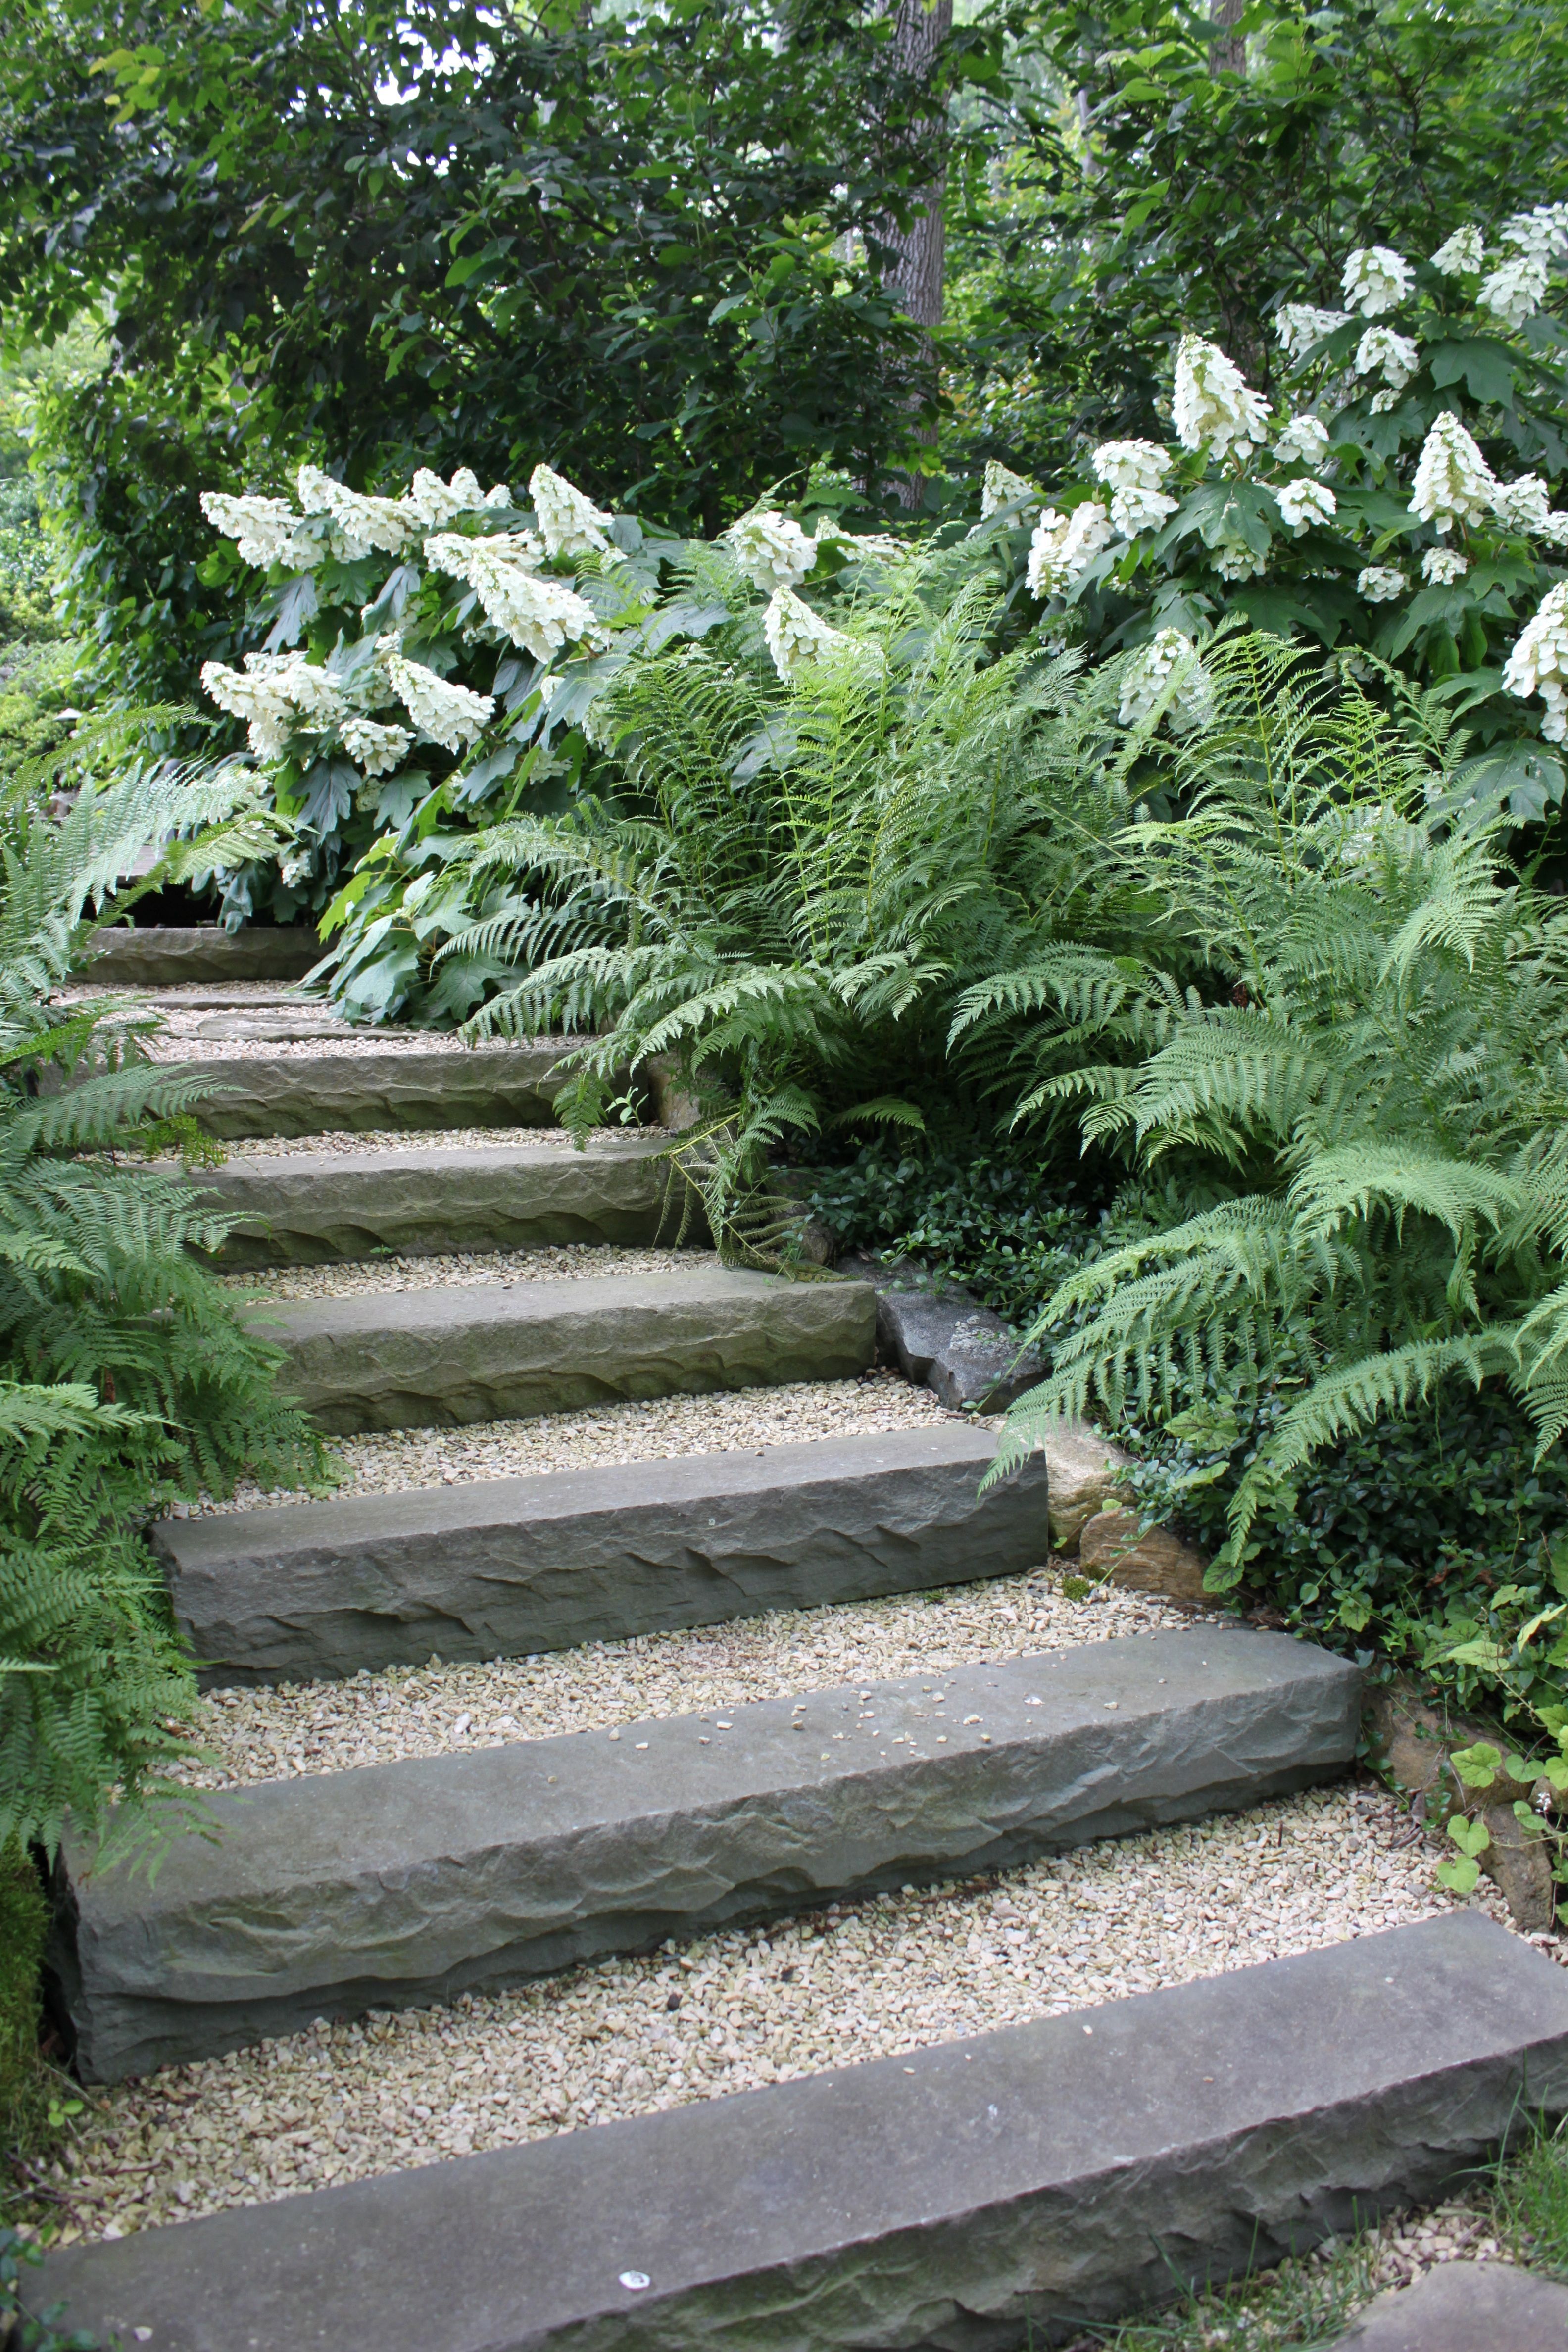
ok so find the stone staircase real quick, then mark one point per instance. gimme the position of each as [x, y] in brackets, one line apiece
[1029, 2178]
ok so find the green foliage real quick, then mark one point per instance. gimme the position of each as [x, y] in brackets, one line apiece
[28, 2329]
[24, 2080]
[127, 1380]
[1373, 1069]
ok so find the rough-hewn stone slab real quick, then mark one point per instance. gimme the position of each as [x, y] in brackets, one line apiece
[507, 1565]
[954, 2200]
[412, 1882]
[942, 1339]
[169, 957]
[1466, 2308]
[328, 1093]
[311, 1208]
[429, 1359]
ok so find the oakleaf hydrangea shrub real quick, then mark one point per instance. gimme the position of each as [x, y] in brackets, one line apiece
[1402, 505]
[432, 664]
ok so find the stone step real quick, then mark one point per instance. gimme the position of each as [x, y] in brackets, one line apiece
[378, 1087]
[1007, 2187]
[508, 1566]
[171, 956]
[425, 1200]
[485, 1352]
[414, 1882]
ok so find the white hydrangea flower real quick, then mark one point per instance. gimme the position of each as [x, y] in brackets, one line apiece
[1133, 471]
[1299, 325]
[1304, 441]
[375, 749]
[1555, 528]
[1234, 561]
[1304, 503]
[1214, 407]
[1539, 663]
[1441, 566]
[770, 551]
[1515, 291]
[1380, 584]
[571, 523]
[1453, 481]
[365, 522]
[1376, 279]
[1144, 681]
[1064, 546]
[1382, 402]
[795, 635]
[499, 495]
[265, 531]
[1524, 504]
[1135, 510]
[277, 694]
[1002, 487]
[542, 615]
[1542, 234]
[431, 501]
[1395, 355]
[867, 546]
[448, 714]
[1462, 255]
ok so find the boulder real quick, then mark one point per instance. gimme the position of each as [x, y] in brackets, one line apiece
[1084, 1469]
[1410, 1743]
[1150, 1561]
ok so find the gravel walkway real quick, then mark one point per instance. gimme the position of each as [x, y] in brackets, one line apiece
[467, 1269]
[391, 1143]
[733, 1420]
[270, 1734]
[868, 1979]
[170, 1046]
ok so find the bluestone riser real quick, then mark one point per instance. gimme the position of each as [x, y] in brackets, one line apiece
[507, 1565]
[414, 1882]
[329, 1093]
[171, 956]
[487, 1351]
[311, 1209]
[973, 2197]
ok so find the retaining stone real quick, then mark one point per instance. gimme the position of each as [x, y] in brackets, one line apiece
[1466, 2308]
[415, 1882]
[327, 1093]
[171, 956]
[940, 1339]
[1007, 2188]
[313, 1209]
[487, 1351]
[507, 1565]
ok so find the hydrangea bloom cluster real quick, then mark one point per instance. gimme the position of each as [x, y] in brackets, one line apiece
[1299, 325]
[541, 615]
[1144, 682]
[1303, 442]
[1002, 487]
[1064, 546]
[795, 635]
[1380, 584]
[365, 523]
[1539, 663]
[1133, 471]
[1463, 254]
[277, 694]
[1396, 356]
[1305, 502]
[1516, 288]
[571, 523]
[1376, 279]
[431, 501]
[1441, 566]
[375, 750]
[266, 530]
[448, 714]
[1525, 505]
[1453, 481]
[772, 551]
[1214, 408]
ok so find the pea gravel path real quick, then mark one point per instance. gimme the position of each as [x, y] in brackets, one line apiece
[560, 1262]
[389, 1142]
[866, 1981]
[735, 1420]
[270, 1734]
[172, 1045]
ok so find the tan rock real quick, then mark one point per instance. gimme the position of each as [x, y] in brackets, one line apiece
[1083, 1468]
[1520, 1867]
[1412, 1742]
[1153, 1560]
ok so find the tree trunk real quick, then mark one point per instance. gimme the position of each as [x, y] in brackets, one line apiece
[919, 252]
[1227, 49]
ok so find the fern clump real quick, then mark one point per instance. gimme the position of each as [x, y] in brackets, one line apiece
[127, 1380]
[1359, 1035]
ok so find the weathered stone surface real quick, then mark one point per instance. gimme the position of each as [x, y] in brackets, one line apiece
[412, 1882]
[170, 957]
[325, 1093]
[1412, 1743]
[942, 1340]
[1084, 1468]
[966, 2197]
[310, 1209]
[507, 1565]
[1466, 2308]
[486, 1351]
[1153, 1560]
[1519, 1862]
